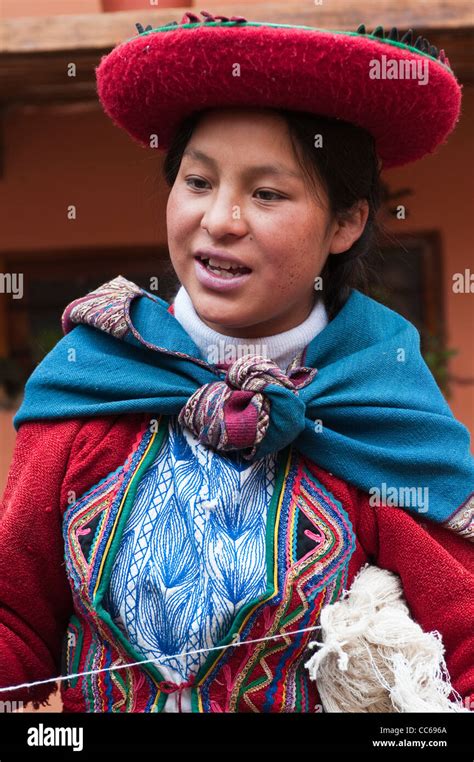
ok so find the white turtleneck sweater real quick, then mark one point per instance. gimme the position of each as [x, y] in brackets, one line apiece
[282, 348]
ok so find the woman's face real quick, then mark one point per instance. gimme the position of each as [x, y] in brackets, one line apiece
[265, 219]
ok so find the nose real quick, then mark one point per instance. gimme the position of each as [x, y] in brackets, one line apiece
[223, 216]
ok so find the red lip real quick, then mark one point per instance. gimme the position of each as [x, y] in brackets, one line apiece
[207, 253]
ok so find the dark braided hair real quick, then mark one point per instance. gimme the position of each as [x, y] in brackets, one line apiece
[346, 167]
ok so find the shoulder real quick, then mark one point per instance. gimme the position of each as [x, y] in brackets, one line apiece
[106, 307]
[378, 318]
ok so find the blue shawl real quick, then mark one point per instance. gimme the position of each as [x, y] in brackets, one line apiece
[372, 415]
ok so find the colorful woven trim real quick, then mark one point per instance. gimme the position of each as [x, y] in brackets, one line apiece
[106, 307]
[90, 538]
[462, 521]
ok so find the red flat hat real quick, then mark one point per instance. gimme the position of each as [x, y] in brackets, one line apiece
[401, 91]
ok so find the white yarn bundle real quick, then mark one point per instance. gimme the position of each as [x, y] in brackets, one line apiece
[374, 657]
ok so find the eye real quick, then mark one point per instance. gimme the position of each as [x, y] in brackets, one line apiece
[271, 193]
[194, 180]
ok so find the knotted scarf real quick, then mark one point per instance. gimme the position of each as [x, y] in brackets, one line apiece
[360, 401]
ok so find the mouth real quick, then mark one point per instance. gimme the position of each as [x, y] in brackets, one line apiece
[218, 276]
[222, 269]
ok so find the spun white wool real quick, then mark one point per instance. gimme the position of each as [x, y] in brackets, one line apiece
[374, 657]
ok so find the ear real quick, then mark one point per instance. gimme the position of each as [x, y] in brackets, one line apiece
[350, 228]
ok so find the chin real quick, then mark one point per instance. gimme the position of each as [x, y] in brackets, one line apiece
[224, 320]
[232, 317]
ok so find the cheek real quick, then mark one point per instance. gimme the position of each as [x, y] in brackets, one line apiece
[180, 210]
[176, 234]
[289, 277]
[173, 214]
[292, 259]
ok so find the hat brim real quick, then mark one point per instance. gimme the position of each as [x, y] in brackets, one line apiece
[150, 83]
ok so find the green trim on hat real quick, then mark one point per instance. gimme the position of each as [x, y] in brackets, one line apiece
[395, 43]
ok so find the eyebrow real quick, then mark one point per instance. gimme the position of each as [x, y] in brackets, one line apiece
[261, 169]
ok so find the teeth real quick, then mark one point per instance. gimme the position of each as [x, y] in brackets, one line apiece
[219, 263]
[223, 273]
[223, 269]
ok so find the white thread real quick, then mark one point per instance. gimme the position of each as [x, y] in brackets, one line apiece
[236, 642]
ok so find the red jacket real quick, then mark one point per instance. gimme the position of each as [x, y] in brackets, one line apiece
[54, 463]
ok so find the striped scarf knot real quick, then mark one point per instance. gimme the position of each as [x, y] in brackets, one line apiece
[234, 413]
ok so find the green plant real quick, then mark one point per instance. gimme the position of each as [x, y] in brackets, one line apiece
[437, 358]
[43, 342]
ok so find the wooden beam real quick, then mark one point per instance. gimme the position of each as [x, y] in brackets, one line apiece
[43, 77]
[105, 30]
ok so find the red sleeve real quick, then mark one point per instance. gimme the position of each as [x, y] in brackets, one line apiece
[436, 568]
[35, 598]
